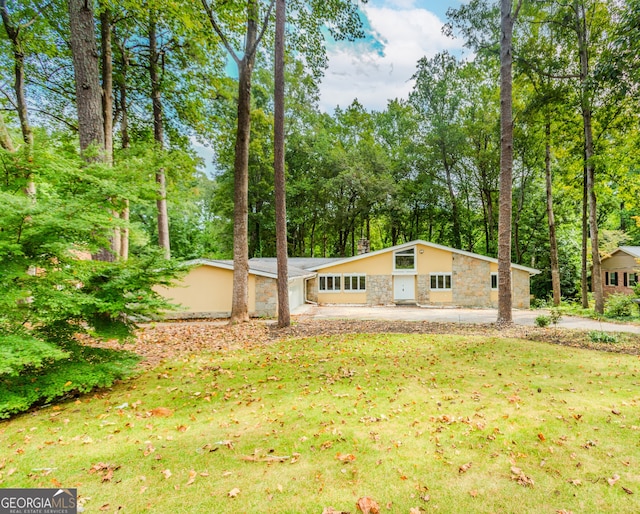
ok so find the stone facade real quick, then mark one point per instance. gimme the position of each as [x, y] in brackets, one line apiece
[422, 292]
[520, 287]
[312, 289]
[266, 297]
[379, 289]
[471, 280]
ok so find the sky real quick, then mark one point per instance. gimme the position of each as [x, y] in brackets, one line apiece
[379, 67]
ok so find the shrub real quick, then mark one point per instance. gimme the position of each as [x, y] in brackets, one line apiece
[620, 306]
[543, 321]
[597, 336]
[555, 316]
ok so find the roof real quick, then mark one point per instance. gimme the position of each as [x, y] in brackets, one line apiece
[260, 267]
[634, 251]
[410, 244]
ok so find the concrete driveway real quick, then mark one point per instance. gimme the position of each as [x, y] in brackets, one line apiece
[452, 315]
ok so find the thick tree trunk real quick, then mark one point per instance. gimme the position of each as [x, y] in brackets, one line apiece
[158, 134]
[87, 77]
[506, 166]
[553, 242]
[284, 316]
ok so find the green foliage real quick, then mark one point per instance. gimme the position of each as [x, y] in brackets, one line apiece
[597, 336]
[620, 305]
[542, 321]
[555, 315]
[51, 292]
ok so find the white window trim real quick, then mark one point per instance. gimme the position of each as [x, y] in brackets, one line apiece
[346, 276]
[334, 276]
[443, 274]
[411, 271]
[494, 274]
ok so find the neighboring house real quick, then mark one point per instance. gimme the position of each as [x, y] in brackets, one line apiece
[418, 273]
[620, 270]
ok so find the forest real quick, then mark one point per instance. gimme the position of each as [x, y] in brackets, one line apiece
[102, 103]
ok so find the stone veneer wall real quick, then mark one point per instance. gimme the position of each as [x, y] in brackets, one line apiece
[379, 289]
[422, 293]
[521, 289]
[266, 297]
[471, 282]
[312, 289]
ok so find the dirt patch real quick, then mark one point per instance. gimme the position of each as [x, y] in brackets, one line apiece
[166, 341]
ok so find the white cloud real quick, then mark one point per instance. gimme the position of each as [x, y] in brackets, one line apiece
[375, 73]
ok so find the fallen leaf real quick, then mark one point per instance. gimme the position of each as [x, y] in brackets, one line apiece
[345, 457]
[473, 493]
[167, 473]
[367, 505]
[465, 467]
[519, 476]
[233, 493]
[182, 428]
[415, 510]
[161, 412]
[192, 477]
[575, 481]
[541, 436]
[628, 491]
[331, 510]
[613, 479]
[105, 507]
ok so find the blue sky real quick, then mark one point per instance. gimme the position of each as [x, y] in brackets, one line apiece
[379, 67]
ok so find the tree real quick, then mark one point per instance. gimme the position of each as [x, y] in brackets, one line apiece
[508, 17]
[15, 33]
[87, 78]
[284, 316]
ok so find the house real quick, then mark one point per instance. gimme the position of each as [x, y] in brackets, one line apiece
[417, 272]
[206, 290]
[620, 270]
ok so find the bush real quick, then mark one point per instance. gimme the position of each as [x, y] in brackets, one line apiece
[543, 321]
[49, 294]
[597, 336]
[620, 306]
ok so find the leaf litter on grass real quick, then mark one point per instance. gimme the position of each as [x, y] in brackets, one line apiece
[390, 400]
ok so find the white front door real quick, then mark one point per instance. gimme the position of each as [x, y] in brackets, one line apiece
[404, 287]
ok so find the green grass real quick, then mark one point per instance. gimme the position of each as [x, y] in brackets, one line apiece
[411, 409]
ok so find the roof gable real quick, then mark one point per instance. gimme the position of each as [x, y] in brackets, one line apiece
[410, 244]
[633, 251]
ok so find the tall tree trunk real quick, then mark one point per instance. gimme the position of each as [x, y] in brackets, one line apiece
[125, 141]
[586, 107]
[284, 316]
[13, 32]
[87, 77]
[158, 134]
[107, 109]
[584, 279]
[506, 164]
[107, 82]
[553, 242]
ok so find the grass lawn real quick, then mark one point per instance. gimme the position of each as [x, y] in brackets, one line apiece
[451, 424]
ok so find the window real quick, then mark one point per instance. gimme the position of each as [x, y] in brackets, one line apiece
[611, 278]
[440, 280]
[633, 279]
[355, 282]
[329, 283]
[494, 281]
[405, 260]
